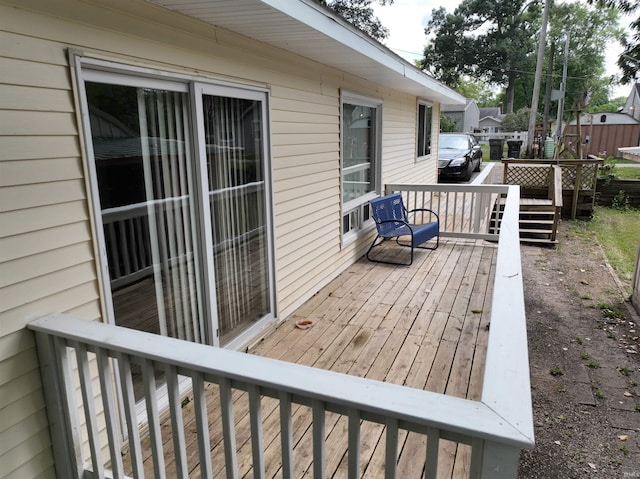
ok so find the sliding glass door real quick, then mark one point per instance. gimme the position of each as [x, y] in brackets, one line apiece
[233, 138]
[143, 159]
[181, 177]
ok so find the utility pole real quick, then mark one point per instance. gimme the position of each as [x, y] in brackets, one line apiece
[537, 81]
[563, 89]
[547, 95]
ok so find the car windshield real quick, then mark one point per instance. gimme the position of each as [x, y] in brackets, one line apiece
[454, 141]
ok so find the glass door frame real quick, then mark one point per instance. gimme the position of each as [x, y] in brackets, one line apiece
[199, 89]
[103, 71]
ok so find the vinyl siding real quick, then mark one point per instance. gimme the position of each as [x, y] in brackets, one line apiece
[47, 255]
[46, 258]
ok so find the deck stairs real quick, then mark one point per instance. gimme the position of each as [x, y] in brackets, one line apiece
[540, 201]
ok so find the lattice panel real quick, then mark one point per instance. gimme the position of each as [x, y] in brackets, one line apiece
[529, 177]
[588, 179]
[568, 177]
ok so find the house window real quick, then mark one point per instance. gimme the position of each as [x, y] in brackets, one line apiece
[361, 160]
[425, 115]
[181, 185]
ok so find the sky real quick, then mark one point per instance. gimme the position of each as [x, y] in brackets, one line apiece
[407, 19]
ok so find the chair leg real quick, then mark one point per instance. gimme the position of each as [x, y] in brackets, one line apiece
[429, 247]
[374, 244]
[421, 247]
[383, 261]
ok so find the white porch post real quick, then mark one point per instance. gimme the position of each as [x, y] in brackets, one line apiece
[495, 461]
[63, 427]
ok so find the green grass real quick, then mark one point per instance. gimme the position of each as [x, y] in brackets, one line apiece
[616, 167]
[618, 231]
[623, 173]
[622, 160]
[555, 371]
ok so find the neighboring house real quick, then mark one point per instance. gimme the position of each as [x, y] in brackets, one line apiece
[213, 164]
[605, 133]
[466, 117]
[632, 105]
[490, 120]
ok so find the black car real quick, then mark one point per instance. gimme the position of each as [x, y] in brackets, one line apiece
[459, 155]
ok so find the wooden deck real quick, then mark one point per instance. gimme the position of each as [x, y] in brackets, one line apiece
[423, 326]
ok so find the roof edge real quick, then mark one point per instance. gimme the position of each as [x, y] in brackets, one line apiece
[329, 23]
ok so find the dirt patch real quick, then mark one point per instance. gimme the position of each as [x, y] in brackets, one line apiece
[584, 361]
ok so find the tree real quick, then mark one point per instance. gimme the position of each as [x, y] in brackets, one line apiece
[518, 121]
[456, 52]
[589, 29]
[450, 54]
[360, 14]
[447, 124]
[478, 90]
[489, 40]
[612, 106]
[629, 59]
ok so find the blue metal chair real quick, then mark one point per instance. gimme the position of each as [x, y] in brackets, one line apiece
[392, 221]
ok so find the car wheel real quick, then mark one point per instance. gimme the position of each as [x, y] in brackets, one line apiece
[479, 164]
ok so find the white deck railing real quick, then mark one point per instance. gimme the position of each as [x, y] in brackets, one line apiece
[87, 416]
[464, 211]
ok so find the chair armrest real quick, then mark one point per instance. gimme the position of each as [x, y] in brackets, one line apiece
[427, 210]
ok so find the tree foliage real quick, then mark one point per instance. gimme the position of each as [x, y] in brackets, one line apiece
[589, 29]
[360, 14]
[611, 106]
[629, 59]
[479, 90]
[496, 42]
[448, 124]
[485, 39]
[518, 121]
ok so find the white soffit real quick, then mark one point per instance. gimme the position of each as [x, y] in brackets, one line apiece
[307, 29]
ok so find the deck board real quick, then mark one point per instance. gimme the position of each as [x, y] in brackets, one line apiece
[423, 326]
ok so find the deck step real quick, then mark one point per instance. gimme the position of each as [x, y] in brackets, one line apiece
[535, 231]
[536, 220]
[538, 240]
[537, 211]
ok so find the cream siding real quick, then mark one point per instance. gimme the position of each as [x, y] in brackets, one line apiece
[46, 262]
[40, 170]
[47, 259]
[19, 412]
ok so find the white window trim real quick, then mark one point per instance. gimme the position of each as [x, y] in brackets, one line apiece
[358, 204]
[428, 104]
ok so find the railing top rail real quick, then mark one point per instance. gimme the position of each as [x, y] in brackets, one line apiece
[547, 161]
[486, 174]
[545, 166]
[391, 187]
[506, 386]
[378, 399]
